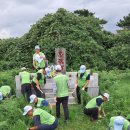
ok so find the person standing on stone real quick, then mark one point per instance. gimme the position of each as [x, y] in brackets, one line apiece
[25, 78]
[82, 81]
[118, 123]
[38, 58]
[94, 107]
[38, 81]
[61, 92]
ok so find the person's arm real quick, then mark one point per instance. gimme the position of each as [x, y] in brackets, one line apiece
[76, 82]
[37, 122]
[102, 110]
[43, 56]
[87, 82]
[34, 64]
[37, 85]
[99, 102]
[33, 128]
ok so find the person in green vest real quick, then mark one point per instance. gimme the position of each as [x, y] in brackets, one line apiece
[95, 107]
[61, 93]
[25, 78]
[38, 81]
[82, 81]
[119, 123]
[4, 92]
[40, 102]
[42, 119]
[38, 58]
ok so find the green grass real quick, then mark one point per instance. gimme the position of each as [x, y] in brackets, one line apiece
[119, 101]
[117, 83]
[79, 121]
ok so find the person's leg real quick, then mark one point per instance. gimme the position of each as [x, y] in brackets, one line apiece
[65, 107]
[44, 127]
[95, 113]
[88, 112]
[78, 95]
[28, 92]
[83, 98]
[37, 92]
[23, 90]
[58, 107]
[92, 113]
[54, 125]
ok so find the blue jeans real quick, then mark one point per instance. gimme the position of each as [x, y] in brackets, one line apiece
[48, 127]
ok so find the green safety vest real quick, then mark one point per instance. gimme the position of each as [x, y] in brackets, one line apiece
[39, 102]
[82, 81]
[5, 90]
[25, 77]
[41, 81]
[42, 64]
[125, 127]
[45, 117]
[61, 85]
[92, 103]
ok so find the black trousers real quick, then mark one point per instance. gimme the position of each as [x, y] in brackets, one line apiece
[92, 112]
[37, 92]
[78, 93]
[26, 91]
[64, 101]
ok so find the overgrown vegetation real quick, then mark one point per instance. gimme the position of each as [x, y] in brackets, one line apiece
[114, 82]
[81, 33]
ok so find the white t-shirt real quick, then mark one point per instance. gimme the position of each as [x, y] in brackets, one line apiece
[38, 58]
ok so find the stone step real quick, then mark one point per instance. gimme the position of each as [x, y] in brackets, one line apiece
[71, 100]
[51, 91]
[51, 95]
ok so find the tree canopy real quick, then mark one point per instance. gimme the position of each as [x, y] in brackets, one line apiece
[83, 37]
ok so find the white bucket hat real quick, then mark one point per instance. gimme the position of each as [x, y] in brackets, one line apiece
[119, 123]
[32, 97]
[26, 110]
[58, 67]
[106, 95]
[37, 47]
